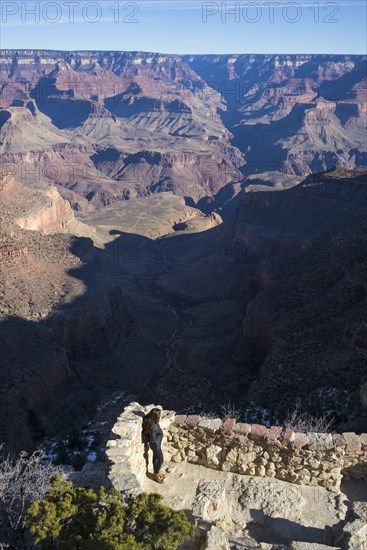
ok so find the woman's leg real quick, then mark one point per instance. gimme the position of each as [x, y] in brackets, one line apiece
[157, 459]
[146, 455]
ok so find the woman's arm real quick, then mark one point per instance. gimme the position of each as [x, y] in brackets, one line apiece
[144, 437]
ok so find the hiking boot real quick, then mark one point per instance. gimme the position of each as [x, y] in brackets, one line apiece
[158, 478]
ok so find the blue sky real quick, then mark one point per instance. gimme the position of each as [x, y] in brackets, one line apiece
[192, 26]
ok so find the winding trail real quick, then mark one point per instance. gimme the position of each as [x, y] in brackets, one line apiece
[156, 262]
[169, 345]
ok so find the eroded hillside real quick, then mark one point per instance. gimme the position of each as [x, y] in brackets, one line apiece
[110, 126]
[293, 114]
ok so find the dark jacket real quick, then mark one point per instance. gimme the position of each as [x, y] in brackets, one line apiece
[155, 436]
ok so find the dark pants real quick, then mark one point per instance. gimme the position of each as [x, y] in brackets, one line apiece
[157, 458]
[146, 454]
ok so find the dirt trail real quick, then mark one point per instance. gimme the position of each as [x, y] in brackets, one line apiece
[178, 312]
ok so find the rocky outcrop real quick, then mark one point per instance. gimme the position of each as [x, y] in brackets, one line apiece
[352, 533]
[11, 249]
[153, 217]
[109, 126]
[320, 99]
[40, 208]
[305, 261]
[54, 217]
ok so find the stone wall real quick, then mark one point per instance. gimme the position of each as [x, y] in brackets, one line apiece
[276, 452]
[250, 449]
[253, 449]
[125, 451]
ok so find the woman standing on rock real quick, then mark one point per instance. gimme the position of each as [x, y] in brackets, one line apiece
[152, 436]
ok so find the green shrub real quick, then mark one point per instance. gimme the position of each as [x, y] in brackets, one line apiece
[156, 526]
[77, 518]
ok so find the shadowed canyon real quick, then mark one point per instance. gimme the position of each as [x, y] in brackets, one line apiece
[190, 229]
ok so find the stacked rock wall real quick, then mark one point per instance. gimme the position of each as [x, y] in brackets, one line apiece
[125, 451]
[250, 449]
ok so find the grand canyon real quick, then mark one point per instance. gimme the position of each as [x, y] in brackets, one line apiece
[188, 229]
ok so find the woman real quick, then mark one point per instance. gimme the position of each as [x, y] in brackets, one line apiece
[152, 437]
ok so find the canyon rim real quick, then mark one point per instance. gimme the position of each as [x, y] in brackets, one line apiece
[189, 229]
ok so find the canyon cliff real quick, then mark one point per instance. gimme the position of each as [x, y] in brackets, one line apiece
[110, 126]
[266, 309]
[117, 272]
[307, 319]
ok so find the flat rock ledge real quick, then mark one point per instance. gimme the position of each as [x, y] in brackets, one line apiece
[232, 448]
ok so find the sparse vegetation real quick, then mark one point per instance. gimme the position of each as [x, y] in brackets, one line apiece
[229, 410]
[75, 448]
[38, 506]
[69, 452]
[224, 411]
[22, 481]
[304, 422]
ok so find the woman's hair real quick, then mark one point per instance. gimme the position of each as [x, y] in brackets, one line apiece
[150, 419]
